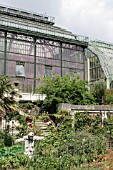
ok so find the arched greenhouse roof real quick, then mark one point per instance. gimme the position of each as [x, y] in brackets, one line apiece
[104, 52]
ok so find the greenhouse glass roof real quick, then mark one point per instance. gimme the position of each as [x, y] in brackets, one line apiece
[104, 51]
[36, 24]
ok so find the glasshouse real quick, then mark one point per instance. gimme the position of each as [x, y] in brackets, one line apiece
[71, 126]
[32, 47]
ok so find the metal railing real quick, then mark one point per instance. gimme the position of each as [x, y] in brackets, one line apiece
[25, 13]
[82, 38]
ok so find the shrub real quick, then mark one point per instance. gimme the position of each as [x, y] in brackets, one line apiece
[109, 96]
[8, 139]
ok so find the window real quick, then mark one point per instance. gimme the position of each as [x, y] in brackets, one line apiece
[20, 70]
[48, 71]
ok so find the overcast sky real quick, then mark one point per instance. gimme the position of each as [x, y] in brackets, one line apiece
[92, 18]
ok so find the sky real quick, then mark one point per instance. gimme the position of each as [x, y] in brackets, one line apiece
[91, 18]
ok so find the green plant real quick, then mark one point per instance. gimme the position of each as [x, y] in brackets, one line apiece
[64, 147]
[28, 105]
[63, 90]
[81, 120]
[109, 96]
[8, 139]
[11, 151]
[100, 91]
[7, 94]
[18, 160]
[1, 139]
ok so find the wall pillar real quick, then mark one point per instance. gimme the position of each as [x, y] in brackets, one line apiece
[34, 63]
[72, 113]
[5, 52]
[84, 70]
[61, 57]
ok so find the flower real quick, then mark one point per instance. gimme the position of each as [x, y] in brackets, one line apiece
[29, 118]
[31, 125]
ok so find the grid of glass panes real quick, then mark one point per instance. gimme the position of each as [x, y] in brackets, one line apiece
[20, 59]
[95, 69]
[21, 47]
[73, 58]
[34, 26]
[1, 43]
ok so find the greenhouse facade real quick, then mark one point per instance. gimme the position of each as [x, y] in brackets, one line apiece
[99, 63]
[32, 47]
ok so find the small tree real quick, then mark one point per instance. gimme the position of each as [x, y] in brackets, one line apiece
[8, 103]
[64, 90]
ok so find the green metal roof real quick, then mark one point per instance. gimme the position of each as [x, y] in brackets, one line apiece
[15, 23]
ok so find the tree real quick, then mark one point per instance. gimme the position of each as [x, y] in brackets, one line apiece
[64, 90]
[7, 96]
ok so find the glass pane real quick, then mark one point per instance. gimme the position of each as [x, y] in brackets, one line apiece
[1, 67]
[20, 71]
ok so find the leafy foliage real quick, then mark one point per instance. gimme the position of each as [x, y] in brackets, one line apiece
[7, 95]
[99, 91]
[8, 140]
[11, 151]
[109, 96]
[66, 148]
[64, 90]
[14, 161]
[28, 105]
[82, 120]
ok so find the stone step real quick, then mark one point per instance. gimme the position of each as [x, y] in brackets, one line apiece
[41, 124]
[43, 128]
